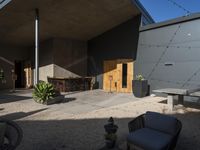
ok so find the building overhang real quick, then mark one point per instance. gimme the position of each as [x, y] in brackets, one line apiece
[3, 3]
[73, 19]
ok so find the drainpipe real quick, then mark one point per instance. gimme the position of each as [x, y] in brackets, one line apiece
[36, 77]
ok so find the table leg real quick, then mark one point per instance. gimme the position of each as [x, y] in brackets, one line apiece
[180, 99]
[170, 101]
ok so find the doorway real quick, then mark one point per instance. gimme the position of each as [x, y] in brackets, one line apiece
[118, 75]
[24, 74]
[19, 74]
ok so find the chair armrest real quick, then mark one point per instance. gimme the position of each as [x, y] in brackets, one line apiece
[136, 123]
[176, 135]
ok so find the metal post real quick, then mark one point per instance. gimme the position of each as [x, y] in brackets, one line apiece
[36, 77]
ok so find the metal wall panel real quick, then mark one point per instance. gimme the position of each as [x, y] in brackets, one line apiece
[169, 56]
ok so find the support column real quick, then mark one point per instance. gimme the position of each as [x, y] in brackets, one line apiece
[180, 99]
[36, 76]
[170, 102]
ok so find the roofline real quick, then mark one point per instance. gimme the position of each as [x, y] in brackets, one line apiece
[4, 3]
[178, 20]
[143, 11]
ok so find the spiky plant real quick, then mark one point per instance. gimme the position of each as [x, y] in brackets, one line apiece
[43, 91]
[139, 77]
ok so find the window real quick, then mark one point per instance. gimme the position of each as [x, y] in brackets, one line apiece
[124, 75]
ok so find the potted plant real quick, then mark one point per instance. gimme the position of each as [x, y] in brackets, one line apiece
[45, 93]
[140, 86]
[110, 140]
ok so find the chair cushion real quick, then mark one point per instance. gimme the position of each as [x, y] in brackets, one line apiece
[160, 122]
[2, 132]
[149, 139]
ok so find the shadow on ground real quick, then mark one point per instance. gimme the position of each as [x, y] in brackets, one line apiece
[69, 99]
[6, 98]
[87, 134]
[187, 104]
[20, 115]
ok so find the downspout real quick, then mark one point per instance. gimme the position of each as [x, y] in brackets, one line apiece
[36, 77]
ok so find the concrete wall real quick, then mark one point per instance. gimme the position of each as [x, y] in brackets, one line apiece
[168, 56]
[8, 54]
[62, 58]
[57, 58]
[119, 42]
[70, 58]
[45, 59]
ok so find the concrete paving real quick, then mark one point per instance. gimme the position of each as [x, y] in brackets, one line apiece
[75, 102]
[78, 122]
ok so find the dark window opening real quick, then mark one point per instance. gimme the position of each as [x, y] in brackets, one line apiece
[124, 75]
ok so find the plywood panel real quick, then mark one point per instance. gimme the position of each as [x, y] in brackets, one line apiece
[113, 68]
[110, 71]
[28, 74]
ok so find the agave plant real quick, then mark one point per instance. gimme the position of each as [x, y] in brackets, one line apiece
[43, 91]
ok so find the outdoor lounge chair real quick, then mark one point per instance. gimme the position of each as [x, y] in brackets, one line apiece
[153, 131]
[11, 136]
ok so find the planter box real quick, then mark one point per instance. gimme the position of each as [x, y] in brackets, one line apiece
[140, 88]
[55, 100]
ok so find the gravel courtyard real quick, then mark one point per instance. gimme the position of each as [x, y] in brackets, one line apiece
[77, 123]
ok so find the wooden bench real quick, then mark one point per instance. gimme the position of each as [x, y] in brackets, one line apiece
[171, 92]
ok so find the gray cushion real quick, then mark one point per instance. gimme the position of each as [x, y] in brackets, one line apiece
[161, 122]
[149, 139]
[2, 132]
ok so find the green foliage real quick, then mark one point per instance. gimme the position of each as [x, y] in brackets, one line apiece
[43, 91]
[139, 77]
[111, 136]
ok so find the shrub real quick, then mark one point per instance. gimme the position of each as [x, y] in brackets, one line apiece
[43, 91]
[139, 77]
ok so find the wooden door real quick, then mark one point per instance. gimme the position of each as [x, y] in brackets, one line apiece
[125, 75]
[118, 75]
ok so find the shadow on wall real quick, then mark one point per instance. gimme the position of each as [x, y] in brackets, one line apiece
[7, 74]
[117, 43]
[88, 134]
[70, 56]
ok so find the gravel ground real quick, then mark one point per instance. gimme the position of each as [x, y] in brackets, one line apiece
[54, 128]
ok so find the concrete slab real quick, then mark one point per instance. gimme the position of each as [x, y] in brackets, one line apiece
[75, 103]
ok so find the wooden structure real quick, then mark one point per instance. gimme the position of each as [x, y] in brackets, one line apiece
[28, 74]
[71, 84]
[118, 75]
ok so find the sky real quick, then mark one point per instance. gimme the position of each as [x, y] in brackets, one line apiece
[162, 10]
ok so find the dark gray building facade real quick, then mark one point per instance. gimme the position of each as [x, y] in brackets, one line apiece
[168, 53]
